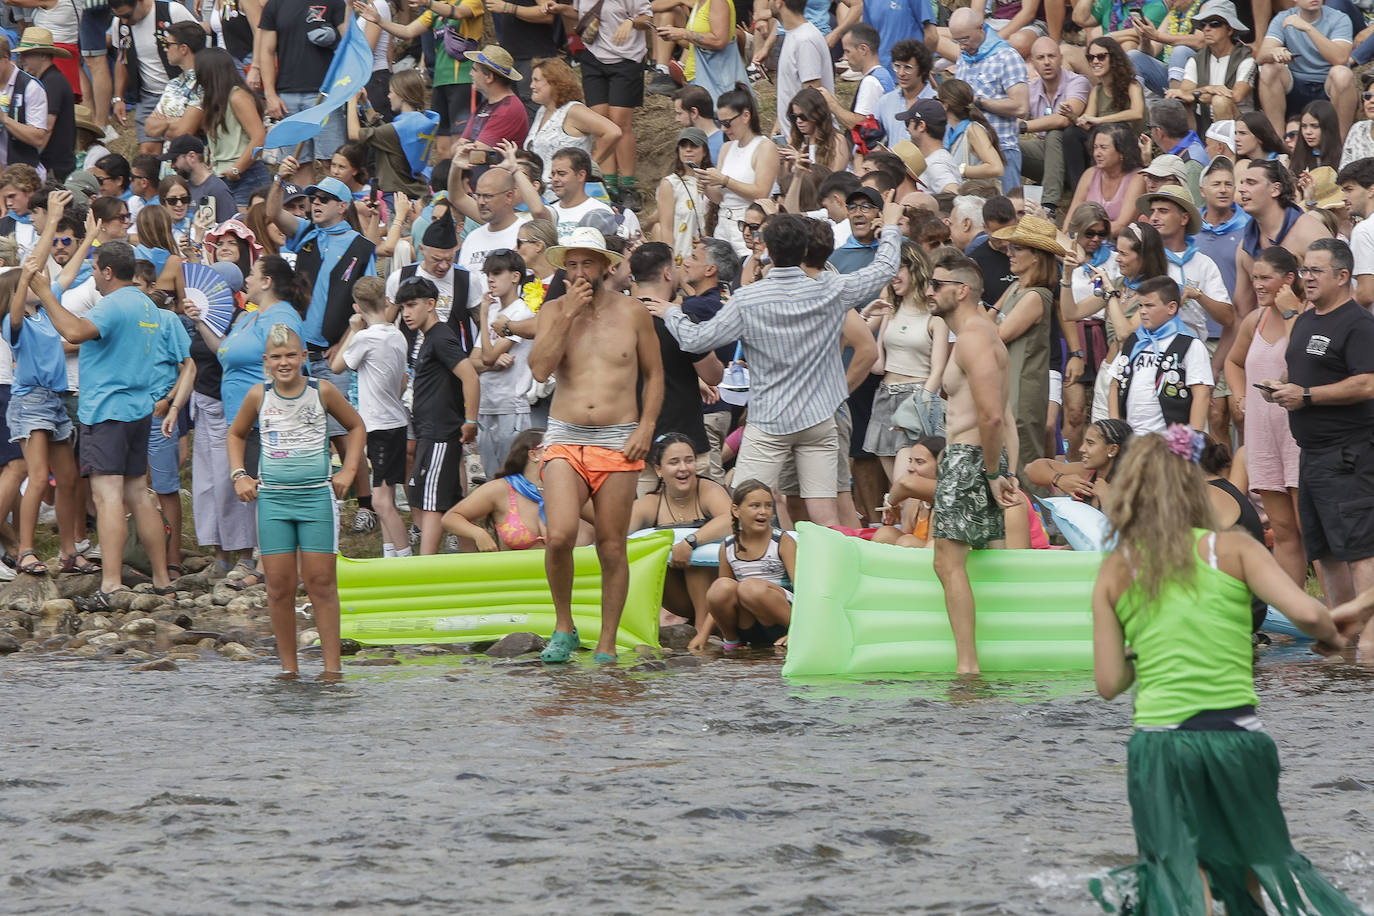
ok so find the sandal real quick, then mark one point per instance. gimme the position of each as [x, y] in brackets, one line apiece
[243, 583]
[174, 568]
[98, 602]
[164, 592]
[36, 568]
[76, 563]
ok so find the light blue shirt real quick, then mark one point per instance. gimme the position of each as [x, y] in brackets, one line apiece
[240, 353]
[896, 20]
[889, 106]
[117, 368]
[39, 360]
[1307, 64]
[175, 346]
[789, 325]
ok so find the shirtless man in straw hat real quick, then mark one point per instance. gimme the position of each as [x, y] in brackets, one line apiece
[602, 348]
[975, 482]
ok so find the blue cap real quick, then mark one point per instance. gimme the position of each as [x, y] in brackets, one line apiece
[333, 187]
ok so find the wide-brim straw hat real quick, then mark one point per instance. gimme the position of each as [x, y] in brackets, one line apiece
[36, 38]
[1033, 232]
[496, 58]
[86, 121]
[1176, 194]
[912, 158]
[583, 238]
[1325, 191]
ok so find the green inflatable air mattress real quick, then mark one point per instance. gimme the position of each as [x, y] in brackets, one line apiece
[477, 597]
[863, 608]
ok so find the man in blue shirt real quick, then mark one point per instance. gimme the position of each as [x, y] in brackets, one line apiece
[1303, 58]
[898, 20]
[120, 339]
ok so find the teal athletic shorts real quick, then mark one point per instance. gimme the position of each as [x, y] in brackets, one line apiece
[291, 520]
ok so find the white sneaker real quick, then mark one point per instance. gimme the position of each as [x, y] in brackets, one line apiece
[6, 574]
[111, 135]
[851, 76]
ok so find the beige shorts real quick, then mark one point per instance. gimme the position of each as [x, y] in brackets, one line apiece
[812, 451]
[1219, 387]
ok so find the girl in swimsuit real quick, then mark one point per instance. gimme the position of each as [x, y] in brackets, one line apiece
[751, 602]
[683, 501]
[513, 502]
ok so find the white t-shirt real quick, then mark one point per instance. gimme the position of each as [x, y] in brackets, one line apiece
[870, 90]
[503, 390]
[941, 171]
[150, 70]
[62, 20]
[1362, 244]
[804, 57]
[380, 54]
[443, 305]
[567, 218]
[1143, 412]
[1245, 73]
[35, 110]
[479, 243]
[1203, 273]
[1083, 283]
[78, 300]
[378, 354]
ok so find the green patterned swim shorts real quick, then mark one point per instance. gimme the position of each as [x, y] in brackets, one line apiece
[964, 508]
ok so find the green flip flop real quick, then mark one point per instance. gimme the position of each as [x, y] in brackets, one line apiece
[560, 648]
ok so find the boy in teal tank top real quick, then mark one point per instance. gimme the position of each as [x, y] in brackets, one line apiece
[1171, 614]
[296, 508]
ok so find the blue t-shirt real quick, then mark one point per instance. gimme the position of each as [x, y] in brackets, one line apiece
[117, 368]
[158, 256]
[897, 20]
[853, 255]
[240, 353]
[39, 360]
[1308, 65]
[174, 346]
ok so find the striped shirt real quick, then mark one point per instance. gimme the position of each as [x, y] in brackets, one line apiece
[790, 326]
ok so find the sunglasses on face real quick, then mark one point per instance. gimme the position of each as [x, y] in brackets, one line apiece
[1214, 23]
[63, 240]
[797, 116]
[176, 201]
[526, 241]
[1097, 58]
[324, 198]
[725, 122]
[940, 284]
[749, 227]
[1096, 234]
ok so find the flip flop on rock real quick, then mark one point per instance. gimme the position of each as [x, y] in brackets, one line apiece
[561, 647]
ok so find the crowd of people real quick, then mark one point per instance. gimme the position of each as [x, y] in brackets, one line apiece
[1041, 249]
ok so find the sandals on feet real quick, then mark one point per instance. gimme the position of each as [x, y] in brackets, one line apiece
[36, 568]
[561, 647]
[245, 582]
[98, 602]
[76, 563]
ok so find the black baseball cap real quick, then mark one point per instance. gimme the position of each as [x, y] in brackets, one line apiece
[866, 193]
[927, 110]
[180, 146]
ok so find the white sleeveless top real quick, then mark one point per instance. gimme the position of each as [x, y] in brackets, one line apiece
[551, 137]
[295, 440]
[738, 164]
[768, 567]
[906, 344]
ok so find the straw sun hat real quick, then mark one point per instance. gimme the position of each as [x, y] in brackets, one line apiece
[583, 238]
[1033, 232]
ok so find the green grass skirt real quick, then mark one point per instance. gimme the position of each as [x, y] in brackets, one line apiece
[1210, 799]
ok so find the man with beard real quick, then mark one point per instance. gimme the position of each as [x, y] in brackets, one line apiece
[602, 347]
[974, 483]
[187, 155]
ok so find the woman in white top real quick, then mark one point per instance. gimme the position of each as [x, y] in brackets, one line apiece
[913, 348]
[562, 119]
[1359, 141]
[680, 195]
[1082, 298]
[748, 165]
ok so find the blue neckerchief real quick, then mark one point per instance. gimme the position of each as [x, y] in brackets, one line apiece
[1132, 283]
[953, 134]
[1190, 249]
[1238, 220]
[25, 218]
[1186, 142]
[521, 484]
[416, 131]
[991, 42]
[1097, 258]
[1144, 337]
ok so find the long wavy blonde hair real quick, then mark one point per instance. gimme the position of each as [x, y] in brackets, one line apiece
[1156, 500]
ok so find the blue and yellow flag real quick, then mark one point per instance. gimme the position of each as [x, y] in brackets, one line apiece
[348, 74]
[416, 131]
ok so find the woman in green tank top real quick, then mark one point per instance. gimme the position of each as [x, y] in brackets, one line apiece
[1171, 614]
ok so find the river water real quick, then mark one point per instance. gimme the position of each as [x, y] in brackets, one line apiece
[456, 784]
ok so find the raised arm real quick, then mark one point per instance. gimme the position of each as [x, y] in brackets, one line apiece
[286, 222]
[74, 330]
[863, 285]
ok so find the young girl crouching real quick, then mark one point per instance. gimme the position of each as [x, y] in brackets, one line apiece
[296, 509]
[751, 601]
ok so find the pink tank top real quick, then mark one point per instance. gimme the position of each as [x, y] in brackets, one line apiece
[1114, 205]
[1265, 360]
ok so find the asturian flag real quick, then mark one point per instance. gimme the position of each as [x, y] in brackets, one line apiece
[348, 74]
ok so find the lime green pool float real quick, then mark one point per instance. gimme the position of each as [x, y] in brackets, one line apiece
[476, 597]
[863, 608]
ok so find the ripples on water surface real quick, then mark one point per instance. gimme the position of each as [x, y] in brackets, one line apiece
[456, 785]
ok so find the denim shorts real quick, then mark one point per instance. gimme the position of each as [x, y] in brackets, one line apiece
[164, 460]
[92, 32]
[38, 408]
[9, 451]
[328, 141]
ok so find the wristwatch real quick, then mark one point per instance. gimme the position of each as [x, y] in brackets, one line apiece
[691, 541]
[1307, 397]
[1078, 353]
[234, 170]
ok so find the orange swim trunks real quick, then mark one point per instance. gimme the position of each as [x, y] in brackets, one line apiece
[593, 463]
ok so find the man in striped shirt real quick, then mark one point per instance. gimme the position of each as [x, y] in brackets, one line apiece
[789, 325]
